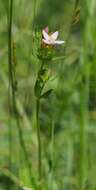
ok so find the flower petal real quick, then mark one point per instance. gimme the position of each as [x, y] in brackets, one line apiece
[59, 42]
[45, 35]
[46, 29]
[48, 42]
[54, 36]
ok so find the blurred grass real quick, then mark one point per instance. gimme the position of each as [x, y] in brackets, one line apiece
[72, 105]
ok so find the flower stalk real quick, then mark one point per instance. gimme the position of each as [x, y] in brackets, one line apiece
[39, 140]
[45, 54]
[42, 78]
[10, 16]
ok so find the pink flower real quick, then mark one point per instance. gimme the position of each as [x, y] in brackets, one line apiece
[51, 39]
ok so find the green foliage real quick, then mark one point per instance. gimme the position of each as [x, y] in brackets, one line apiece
[47, 93]
[68, 116]
[45, 54]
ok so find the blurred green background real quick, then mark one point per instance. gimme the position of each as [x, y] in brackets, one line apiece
[68, 116]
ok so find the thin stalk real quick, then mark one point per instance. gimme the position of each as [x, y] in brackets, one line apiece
[39, 140]
[41, 67]
[82, 163]
[12, 91]
[84, 98]
[76, 3]
[10, 15]
[12, 177]
[10, 41]
[23, 144]
[52, 153]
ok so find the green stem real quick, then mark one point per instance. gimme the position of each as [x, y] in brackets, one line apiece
[39, 140]
[84, 99]
[84, 104]
[82, 141]
[10, 41]
[10, 15]
[12, 92]
[52, 153]
[41, 67]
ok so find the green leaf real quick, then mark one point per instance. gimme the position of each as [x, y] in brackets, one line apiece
[38, 88]
[45, 54]
[44, 75]
[47, 94]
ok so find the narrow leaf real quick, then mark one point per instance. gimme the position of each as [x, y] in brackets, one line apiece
[47, 94]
